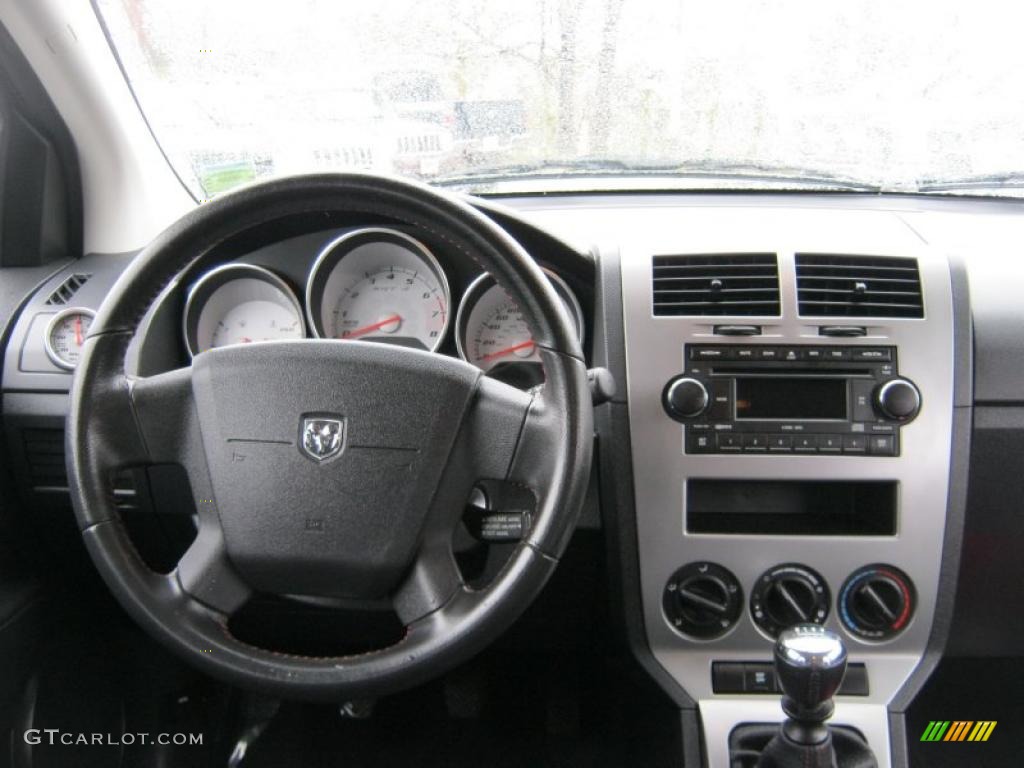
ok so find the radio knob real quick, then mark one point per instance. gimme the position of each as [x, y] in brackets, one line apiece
[684, 398]
[898, 399]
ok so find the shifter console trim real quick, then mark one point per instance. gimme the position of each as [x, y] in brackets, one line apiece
[719, 716]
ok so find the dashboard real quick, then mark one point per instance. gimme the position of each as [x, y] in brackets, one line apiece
[799, 381]
[372, 281]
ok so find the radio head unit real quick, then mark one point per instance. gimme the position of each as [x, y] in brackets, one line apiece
[791, 399]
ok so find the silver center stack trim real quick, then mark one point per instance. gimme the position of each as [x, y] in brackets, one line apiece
[654, 353]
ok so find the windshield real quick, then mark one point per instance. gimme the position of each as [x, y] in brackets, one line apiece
[541, 95]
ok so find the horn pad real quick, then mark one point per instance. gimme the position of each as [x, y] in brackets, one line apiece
[323, 473]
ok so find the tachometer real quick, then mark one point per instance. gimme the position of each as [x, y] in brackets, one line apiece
[379, 285]
[491, 329]
[240, 304]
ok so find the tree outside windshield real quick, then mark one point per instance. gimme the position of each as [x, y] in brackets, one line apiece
[568, 92]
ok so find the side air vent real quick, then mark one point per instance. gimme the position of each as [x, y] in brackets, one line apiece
[66, 290]
[716, 284]
[830, 285]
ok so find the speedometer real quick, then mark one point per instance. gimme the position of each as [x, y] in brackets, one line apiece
[379, 285]
[492, 330]
[240, 304]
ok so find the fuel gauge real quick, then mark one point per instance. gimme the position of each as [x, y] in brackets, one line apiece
[65, 335]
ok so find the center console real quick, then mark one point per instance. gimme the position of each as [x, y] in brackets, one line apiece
[790, 398]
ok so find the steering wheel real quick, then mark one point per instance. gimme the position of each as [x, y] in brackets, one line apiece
[414, 432]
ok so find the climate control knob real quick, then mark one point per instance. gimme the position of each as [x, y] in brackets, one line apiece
[876, 602]
[702, 600]
[684, 398]
[898, 399]
[789, 594]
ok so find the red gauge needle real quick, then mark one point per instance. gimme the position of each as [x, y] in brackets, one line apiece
[369, 328]
[507, 350]
[78, 331]
[246, 340]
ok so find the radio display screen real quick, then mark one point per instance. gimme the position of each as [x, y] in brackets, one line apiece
[790, 398]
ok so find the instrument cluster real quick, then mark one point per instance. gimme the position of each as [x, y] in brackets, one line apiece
[373, 284]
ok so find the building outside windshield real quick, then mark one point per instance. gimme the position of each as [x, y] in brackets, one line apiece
[565, 95]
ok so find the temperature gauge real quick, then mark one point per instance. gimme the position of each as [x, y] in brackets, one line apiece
[65, 335]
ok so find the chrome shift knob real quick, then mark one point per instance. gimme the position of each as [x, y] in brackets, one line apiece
[810, 663]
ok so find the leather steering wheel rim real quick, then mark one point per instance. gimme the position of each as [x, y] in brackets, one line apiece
[540, 440]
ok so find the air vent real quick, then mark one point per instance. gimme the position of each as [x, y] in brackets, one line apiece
[717, 284]
[831, 285]
[67, 289]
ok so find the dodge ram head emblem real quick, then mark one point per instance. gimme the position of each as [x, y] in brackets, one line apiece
[322, 438]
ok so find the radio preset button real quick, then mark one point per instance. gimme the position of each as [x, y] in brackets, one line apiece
[805, 444]
[830, 443]
[780, 443]
[855, 444]
[755, 443]
[730, 441]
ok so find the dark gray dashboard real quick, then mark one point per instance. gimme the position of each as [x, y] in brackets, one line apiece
[986, 235]
[969, 354]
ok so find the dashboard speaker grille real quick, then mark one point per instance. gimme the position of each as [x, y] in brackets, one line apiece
[830, 285]
[732, 284]
[66, 290]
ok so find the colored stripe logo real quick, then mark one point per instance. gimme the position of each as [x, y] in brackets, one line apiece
[958, 730]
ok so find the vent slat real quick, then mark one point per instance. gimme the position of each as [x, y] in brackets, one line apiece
[724, 291]
[879, 280]
[767, 278]
[720, 284]
[841, 285]
[808, 292]
[66, 290]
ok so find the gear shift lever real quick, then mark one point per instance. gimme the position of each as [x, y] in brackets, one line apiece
[810, 662]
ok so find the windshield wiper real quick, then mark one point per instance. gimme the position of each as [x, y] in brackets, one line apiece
[1002, 180]
[748, 173]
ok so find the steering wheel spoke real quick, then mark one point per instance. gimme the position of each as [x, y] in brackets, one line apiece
[205, 573]
[168, 424]
[540, 461]
[430, 583]
[165, 414]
